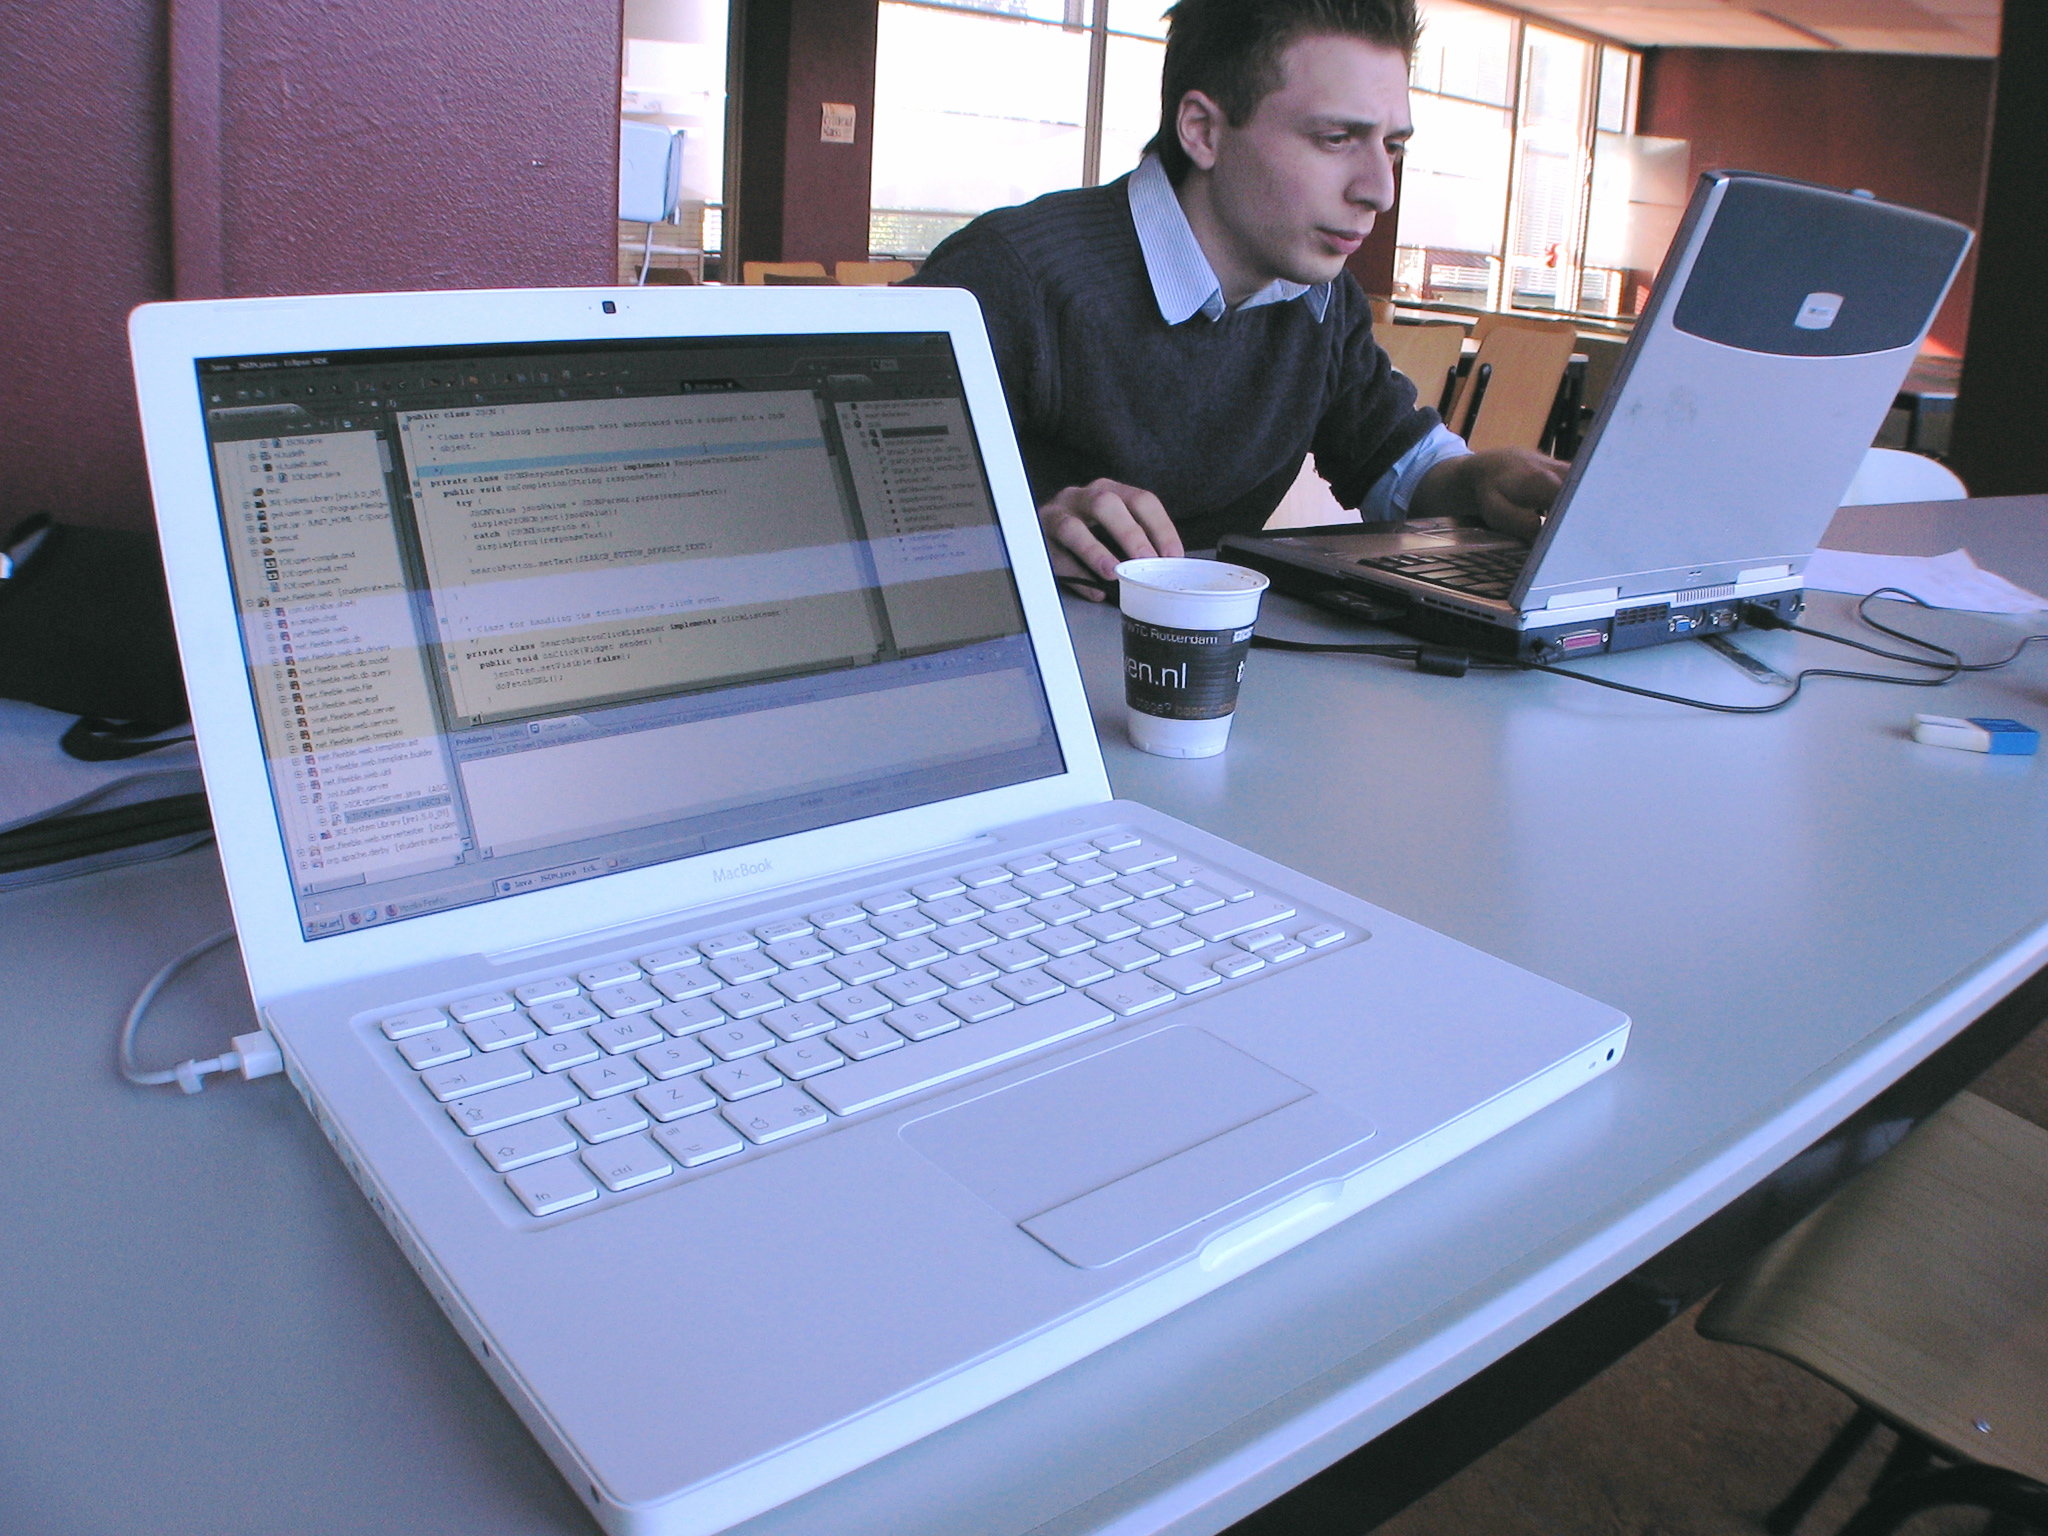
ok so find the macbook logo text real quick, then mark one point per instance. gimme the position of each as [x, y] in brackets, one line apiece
[1817, 311]
[742, 871]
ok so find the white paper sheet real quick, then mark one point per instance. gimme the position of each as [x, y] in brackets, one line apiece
[1952, 580]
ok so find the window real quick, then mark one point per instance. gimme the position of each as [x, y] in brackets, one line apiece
[673, 73]
[1517, 185]
[981, 105]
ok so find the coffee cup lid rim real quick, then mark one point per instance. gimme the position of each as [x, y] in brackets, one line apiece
[1146, 573]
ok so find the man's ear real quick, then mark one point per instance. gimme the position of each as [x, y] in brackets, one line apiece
[1200, 123]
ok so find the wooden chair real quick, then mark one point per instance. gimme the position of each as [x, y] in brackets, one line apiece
[1493, 320]
[1921, 1290]
[1382, 310]
[1506, 400]
[873, 274]
[1428, 354]
[757, 272]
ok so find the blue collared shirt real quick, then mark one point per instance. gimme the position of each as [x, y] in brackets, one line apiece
[1184, 285]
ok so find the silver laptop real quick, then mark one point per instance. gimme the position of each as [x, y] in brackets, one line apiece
[1781, 326]
[669, 843]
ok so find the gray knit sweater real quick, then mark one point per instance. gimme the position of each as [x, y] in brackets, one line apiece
[1213, 417]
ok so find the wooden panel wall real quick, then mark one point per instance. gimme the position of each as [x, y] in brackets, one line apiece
[1912, 130]
[201, 148]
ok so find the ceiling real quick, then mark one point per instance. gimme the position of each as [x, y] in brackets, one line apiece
[1965, 28]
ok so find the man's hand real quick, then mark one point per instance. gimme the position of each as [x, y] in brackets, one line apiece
[1508, 489]
[1089, 528]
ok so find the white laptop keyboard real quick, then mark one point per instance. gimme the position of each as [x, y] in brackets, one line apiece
[580, 1088]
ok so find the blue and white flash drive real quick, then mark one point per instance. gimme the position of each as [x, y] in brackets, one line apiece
[2005, 738]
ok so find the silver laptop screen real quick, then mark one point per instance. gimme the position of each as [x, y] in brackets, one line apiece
[520, 617]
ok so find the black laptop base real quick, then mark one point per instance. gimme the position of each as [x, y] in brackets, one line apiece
[1319, 579]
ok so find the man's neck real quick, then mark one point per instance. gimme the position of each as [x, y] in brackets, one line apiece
[1239, 280]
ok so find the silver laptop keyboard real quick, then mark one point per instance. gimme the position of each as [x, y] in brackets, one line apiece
[580, 1087]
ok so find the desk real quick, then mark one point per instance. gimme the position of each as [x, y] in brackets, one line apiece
[207, 1332]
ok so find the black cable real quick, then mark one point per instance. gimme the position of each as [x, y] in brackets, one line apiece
[1863, 612]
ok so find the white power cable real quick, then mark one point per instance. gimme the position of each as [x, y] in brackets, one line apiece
[253, 1055]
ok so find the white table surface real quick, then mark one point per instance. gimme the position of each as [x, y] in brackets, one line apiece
[205, 1330]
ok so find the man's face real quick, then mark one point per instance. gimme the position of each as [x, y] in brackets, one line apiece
[1294, 191]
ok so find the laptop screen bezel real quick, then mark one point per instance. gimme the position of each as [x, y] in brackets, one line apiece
[167, 340]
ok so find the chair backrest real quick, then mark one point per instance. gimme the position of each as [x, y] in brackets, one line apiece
[1494, 320]
[1889, 474]
[1426, 353]
[1506, 400]
[650, 171]
[756, 272]
[873, 274]
[1382, 309]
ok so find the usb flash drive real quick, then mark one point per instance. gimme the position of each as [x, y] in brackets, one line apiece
[2005, 738]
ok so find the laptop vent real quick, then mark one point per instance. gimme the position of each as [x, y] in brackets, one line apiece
[1705, 594]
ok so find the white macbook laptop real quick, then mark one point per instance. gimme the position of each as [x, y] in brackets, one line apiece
[669, 844]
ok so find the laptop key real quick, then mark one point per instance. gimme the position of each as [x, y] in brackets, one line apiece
[602, 1079]
[545, 991]
[796, 953]
[902, 925]
[799, 1022]
[776, 1115]
[1145, 885]
[1060, 942]
[962, 938]
[1126, 954]
[1187, 974]
[855, 1004]
[1108, 926]
[476, 1074]
[1057, 910]
[435, 1048]
[801, 986]
[699, 1141]
[948, 910]
[609, 975]
[1239, 917]
[851, 938]
[1131, 994]
[999, 898]
[1078, 970]
[752, 965]
[418, 1022]
[1032, 986]
[858, 970]
[782, 929]
[470, 1009]
[1193, 899]
[745, 1002]
[672, 1101]
[1041, 886]
[518, 1145]
[1112, 842]
[1231, 966]
[922, 1022]
[1072, 853]
[966, 971]
[974, 879]
[888, 901]
[937, 889]
[727, 944]
[742, 1079]
[1089, 872]
[1153, 914]
[675, 959]
[1316, 935]
[558, 1053]
[679, 986]
[806, 1058]
[500, 1107]
[1011, 925]
[552, 1186]
[628, 1034]
[860, 1041]
[628, 1163]
[609, 1120]
[1029, 864]
[1134, 856]
[673, 1059]
[687, 1018]
[633, 997]
[1104, 898]
[1172, 940]
[909, 987]
[908, 954]
[563, 1014]
[864, 1084]
[1013, 956]
[729, 1042]
[976, 1004]
[1228, 886]
[833, 917]
[1260, 938]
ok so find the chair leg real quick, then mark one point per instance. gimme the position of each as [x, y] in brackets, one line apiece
[1819, 1477]
[2007, 1495]
[1909, 1458]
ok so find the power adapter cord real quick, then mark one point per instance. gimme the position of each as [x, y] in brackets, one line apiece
[253, 1055]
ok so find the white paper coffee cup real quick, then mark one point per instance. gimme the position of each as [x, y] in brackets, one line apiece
[1187, 629]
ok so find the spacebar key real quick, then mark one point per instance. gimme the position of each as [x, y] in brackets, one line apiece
[864, 1084]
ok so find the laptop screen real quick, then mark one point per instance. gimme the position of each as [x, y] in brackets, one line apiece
[520, 616]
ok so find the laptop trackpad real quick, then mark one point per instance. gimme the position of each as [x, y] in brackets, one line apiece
[1122, 1150]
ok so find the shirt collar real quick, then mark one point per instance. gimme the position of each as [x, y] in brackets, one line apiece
[1183, 282]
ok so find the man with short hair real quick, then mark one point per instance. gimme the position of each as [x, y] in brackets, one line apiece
[1172, 344]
